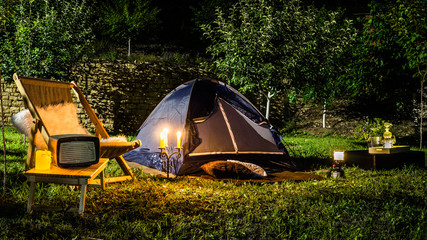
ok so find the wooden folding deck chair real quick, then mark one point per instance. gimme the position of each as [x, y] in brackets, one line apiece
[41, 92]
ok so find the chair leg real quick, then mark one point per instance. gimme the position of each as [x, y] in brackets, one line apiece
[123, 165]
[30, 163]
[103, 179]
[31, 197]
[82, 198]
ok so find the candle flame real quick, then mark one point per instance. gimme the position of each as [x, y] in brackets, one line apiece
[164, 138]
[178, 139]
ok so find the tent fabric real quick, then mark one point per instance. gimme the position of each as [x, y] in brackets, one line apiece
[217, 122]
[170, 113]
[238, 134]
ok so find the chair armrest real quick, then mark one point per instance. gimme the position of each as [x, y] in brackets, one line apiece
[115, 149]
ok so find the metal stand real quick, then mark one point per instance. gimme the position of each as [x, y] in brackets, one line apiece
[168, 161]
[336, 172]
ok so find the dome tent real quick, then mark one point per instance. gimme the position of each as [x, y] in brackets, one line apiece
[217, 122]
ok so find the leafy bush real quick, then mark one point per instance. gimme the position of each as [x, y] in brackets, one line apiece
[125, 20]
[43, 38]
[371, 128]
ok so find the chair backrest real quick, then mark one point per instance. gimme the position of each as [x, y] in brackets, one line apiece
[39, 93]
[43, 92]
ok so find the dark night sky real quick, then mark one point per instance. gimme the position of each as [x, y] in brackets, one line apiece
[176, 17]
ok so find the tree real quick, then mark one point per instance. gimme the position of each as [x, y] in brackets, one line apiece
[409, 20]
[203, 13]
[4, 139]
[324, 59]
[126, 19]
[392, 51]
[271, 46]
[242, 46]
[43, 38]
[6, 10]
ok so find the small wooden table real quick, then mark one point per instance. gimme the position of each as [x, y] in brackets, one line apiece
[71, 176]
[381, 150]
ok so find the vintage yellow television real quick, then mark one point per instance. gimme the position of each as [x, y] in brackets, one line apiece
[74, 150]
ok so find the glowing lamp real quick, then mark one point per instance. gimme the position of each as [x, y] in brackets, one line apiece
[336, 171]
[338, 155]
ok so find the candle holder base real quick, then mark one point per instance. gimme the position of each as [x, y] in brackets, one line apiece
[168, 161]
[336, 172]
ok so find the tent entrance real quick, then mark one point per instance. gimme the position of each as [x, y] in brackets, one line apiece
[227, 131]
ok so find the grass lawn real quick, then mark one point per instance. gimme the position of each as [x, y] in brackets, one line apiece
[367, 204]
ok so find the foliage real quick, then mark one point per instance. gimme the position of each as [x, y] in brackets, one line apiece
[203, 10]
[242, 45]
[6, 10]
[371, 128]
[381, 63]
[366, 204]
[324, 59]
[391, 58]
[125, 19]
[409, 20]
[43, 38]
[268, 46]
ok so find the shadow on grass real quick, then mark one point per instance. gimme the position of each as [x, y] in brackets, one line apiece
[312, 163]
[12, 209]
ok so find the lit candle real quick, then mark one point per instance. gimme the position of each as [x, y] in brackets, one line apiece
[178, 139]
[164, 138]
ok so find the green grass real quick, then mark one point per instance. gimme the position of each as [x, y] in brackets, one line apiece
[367, 204]
[310, 152]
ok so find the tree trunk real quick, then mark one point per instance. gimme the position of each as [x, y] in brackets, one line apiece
[4, 140]
[267, 111]
[416, 114]
[423, 77]
[324, 115]
[421, 113]
[129, 47]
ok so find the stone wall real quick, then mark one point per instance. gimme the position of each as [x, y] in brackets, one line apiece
[12, 100]
[122, 93]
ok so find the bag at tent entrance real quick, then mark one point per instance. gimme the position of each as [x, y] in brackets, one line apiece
[217, 123]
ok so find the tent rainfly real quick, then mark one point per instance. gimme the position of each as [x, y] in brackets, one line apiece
[217, 123]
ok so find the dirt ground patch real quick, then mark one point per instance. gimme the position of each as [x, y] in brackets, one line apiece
[271, 177]
[342, 119]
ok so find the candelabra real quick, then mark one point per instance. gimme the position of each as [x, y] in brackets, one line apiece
[168, 161]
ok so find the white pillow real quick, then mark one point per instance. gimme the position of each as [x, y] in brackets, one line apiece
[58, 119]
[258, 171]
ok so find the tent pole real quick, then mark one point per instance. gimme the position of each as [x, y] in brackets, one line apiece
[229, 127]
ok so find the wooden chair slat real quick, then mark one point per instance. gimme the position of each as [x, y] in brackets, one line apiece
[41, 95]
